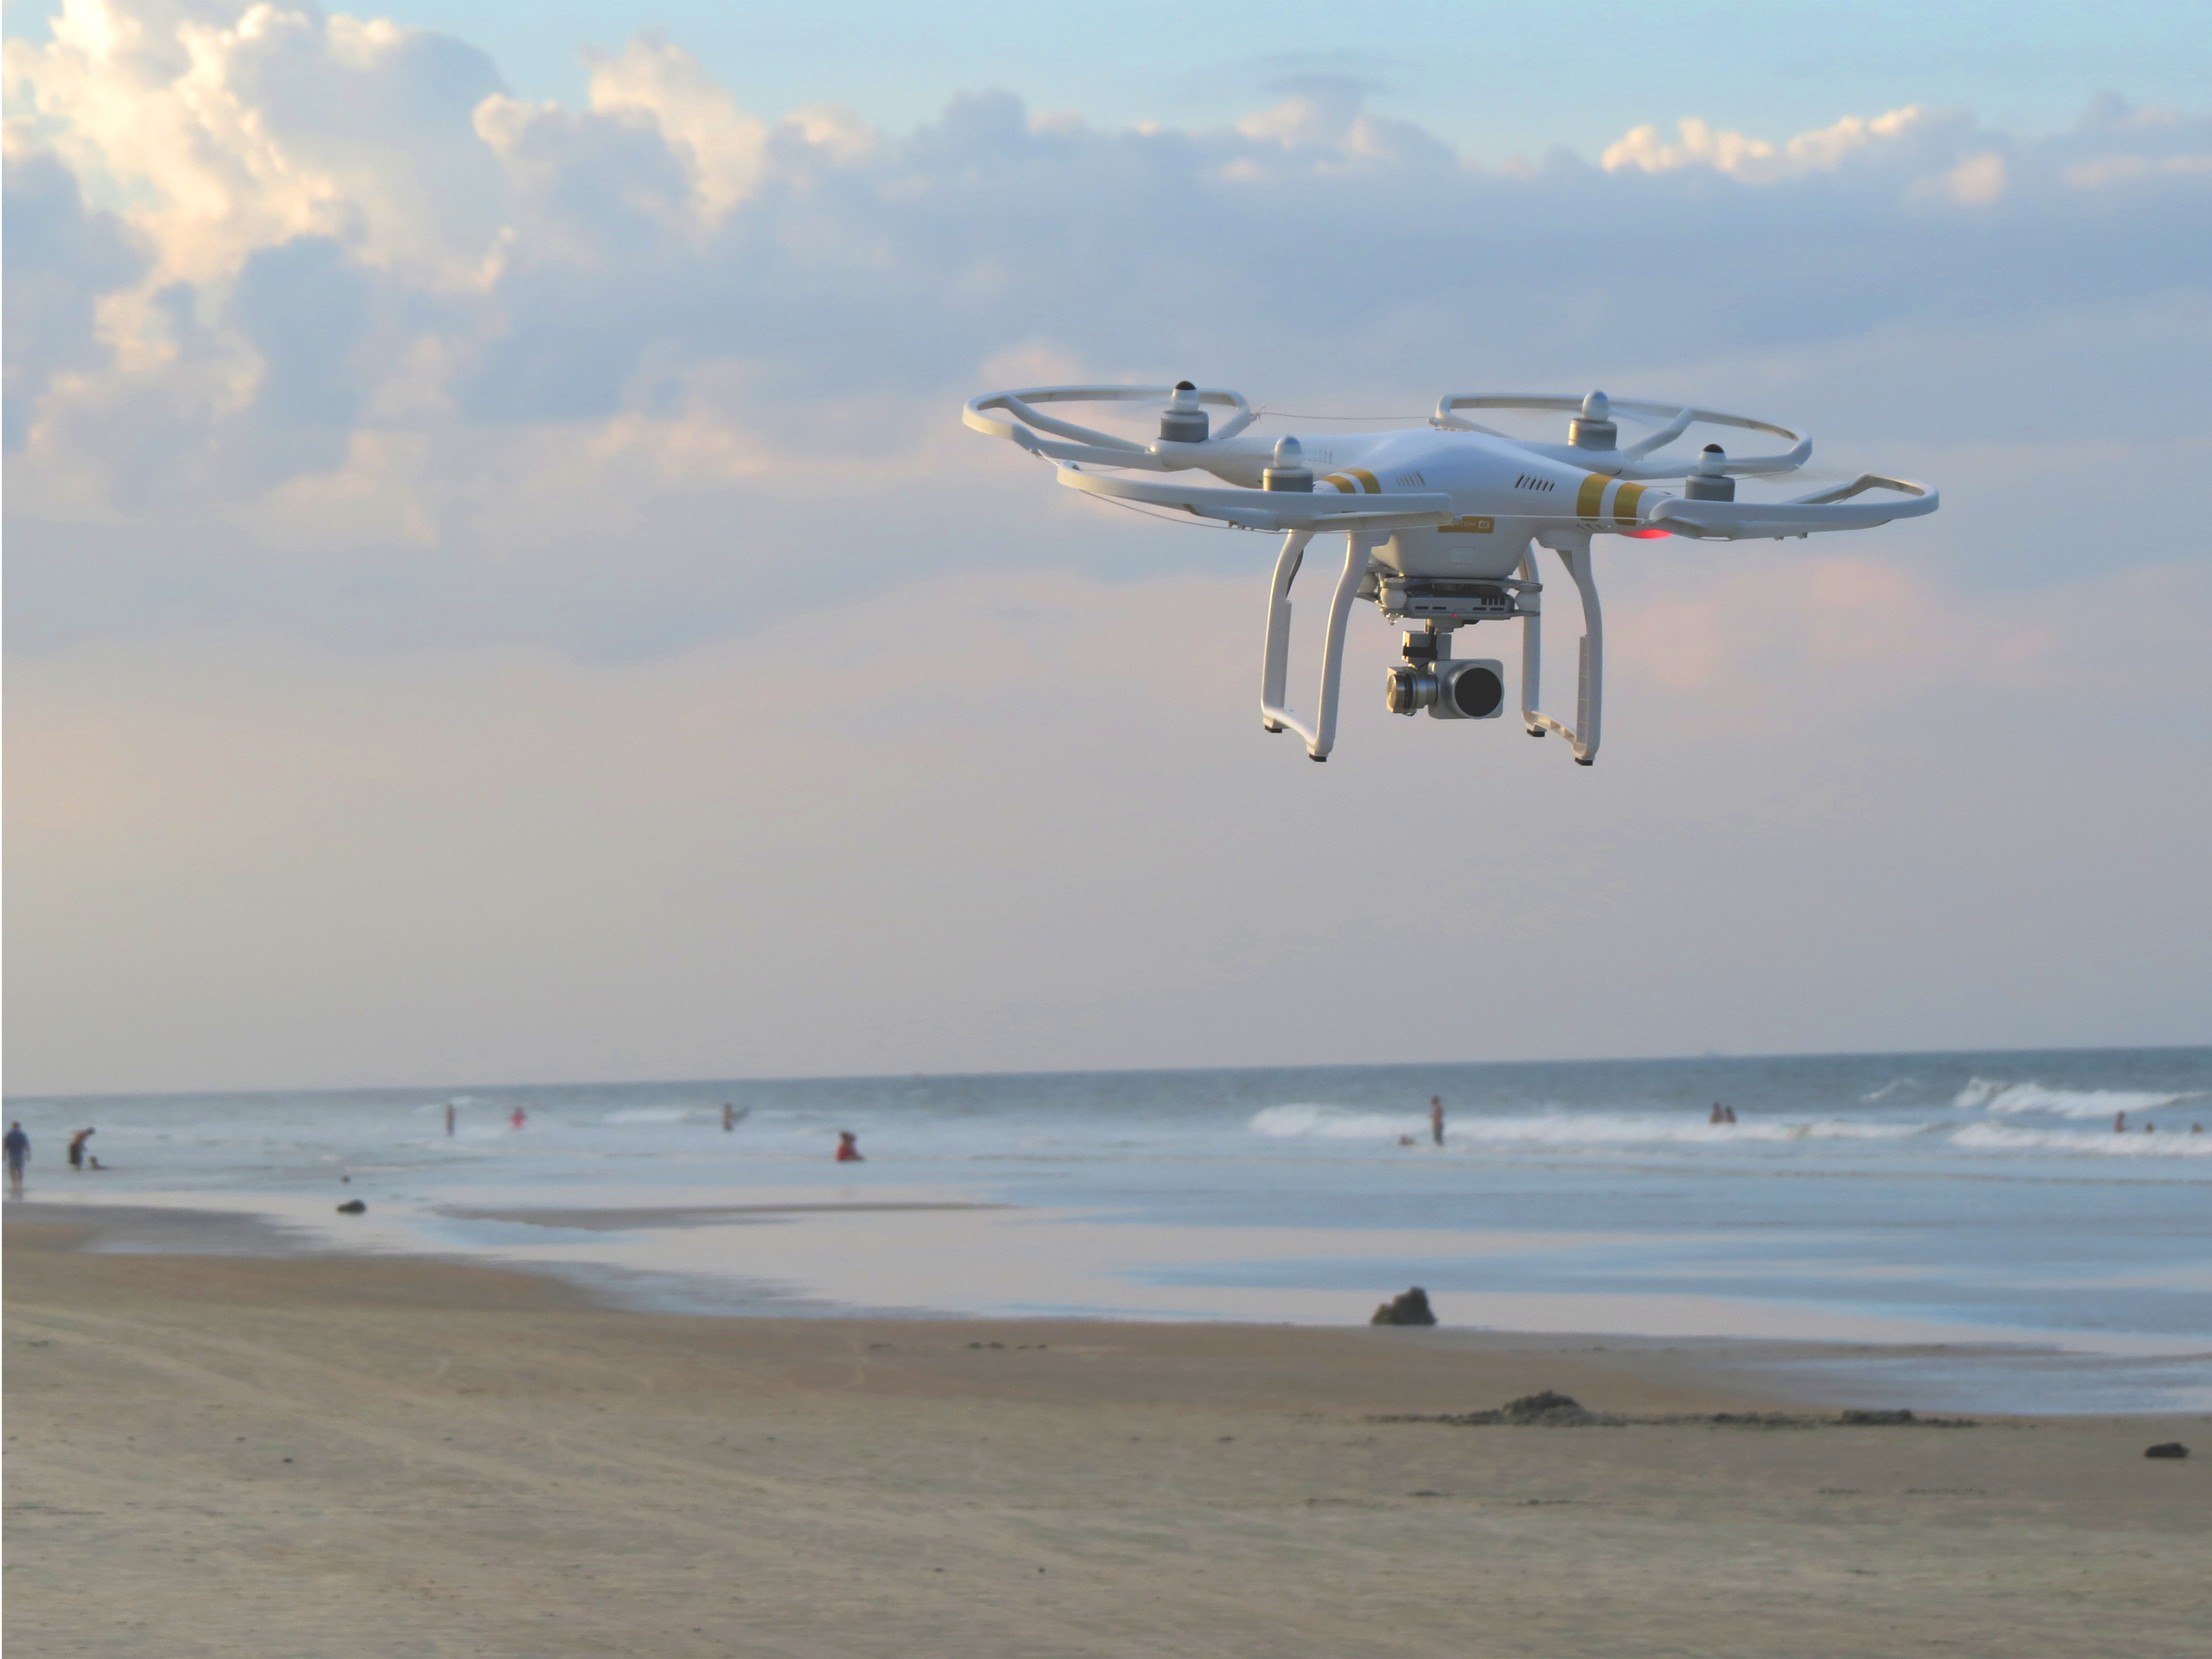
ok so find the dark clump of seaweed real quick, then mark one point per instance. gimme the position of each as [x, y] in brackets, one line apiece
[1553, 1410]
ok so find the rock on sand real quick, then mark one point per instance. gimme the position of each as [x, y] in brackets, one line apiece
[1411, 1308]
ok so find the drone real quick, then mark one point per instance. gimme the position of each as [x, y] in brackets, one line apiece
[1441, 523]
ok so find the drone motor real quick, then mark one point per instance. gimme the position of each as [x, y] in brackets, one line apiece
[1183, 422]
[1596, 429]
[1710, 481]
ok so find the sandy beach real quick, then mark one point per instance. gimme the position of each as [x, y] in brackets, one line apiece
[338, 1456]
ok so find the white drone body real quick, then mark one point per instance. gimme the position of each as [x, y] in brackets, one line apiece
[1441, 523]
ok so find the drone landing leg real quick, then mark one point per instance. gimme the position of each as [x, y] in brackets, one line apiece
[1532, 647]
[1276, 668]
[1590, 679]
[1321, 735]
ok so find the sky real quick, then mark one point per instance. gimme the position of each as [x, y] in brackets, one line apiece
[498, 589]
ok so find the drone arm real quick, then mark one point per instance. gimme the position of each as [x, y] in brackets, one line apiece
[1270, 509]
[1826, 509]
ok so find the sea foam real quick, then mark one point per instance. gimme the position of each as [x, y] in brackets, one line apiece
[1563, 1128]
[2004, 1137]
[2014, 1097]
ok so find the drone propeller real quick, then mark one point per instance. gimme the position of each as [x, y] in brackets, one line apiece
[1184, 424]
[1593, 435]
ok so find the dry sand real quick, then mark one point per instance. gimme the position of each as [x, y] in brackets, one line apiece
[212, 1455]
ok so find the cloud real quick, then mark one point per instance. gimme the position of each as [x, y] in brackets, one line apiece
[401, 474]
[62, 260]
[234, 127]
[1911, 131]
[354, 321]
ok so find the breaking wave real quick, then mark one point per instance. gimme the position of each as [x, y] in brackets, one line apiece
[1563, 1128]
[650, 1114]
[2004, 1137]
[1333, 1124]
[2012, 1097]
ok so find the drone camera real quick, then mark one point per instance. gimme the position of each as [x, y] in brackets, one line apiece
[1473, 689]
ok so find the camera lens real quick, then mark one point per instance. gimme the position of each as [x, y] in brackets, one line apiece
[1476, 692]
[1409, 690]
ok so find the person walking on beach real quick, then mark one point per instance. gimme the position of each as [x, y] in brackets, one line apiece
[848, 1147]
[77, 1148]
[1437, 1119]
[19, 1154]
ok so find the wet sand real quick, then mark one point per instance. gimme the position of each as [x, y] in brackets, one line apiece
[329, 1455]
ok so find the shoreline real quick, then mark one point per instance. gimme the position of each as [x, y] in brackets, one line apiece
[367, 1455]
[1776, 1372]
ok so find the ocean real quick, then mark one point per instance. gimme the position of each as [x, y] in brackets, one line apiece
[1979, 1209]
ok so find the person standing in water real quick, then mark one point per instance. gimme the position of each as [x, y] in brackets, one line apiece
[1437, 1119]
[848, 1147]
[77, 1148]
[517, 1118]
[450, 1115]
[19, 1154]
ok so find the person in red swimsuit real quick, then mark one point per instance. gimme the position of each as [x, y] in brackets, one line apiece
[848, 1147]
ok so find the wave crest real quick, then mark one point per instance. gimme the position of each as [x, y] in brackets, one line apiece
[1563, 1128]
[1333, 1123]
[2004, 1137]
[1997, 1096]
